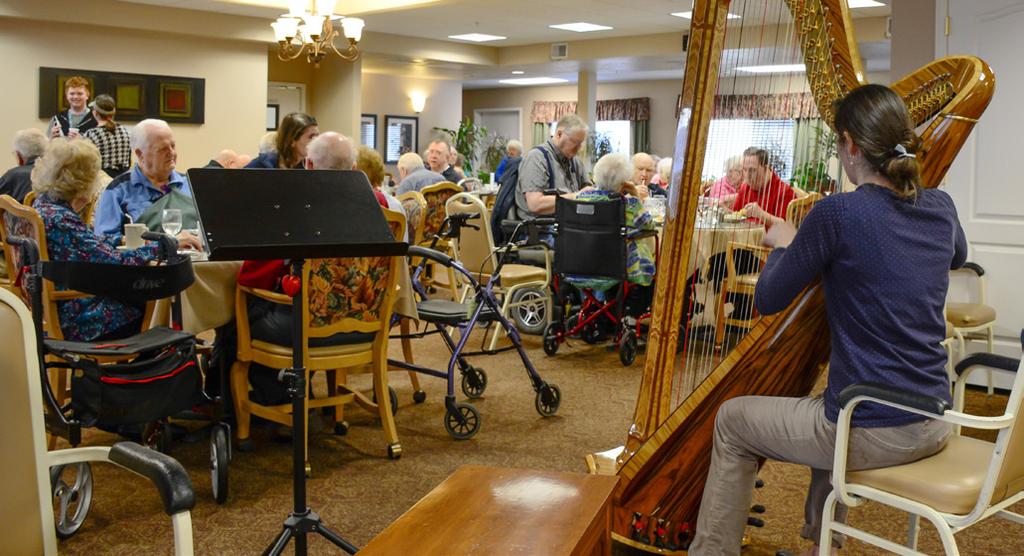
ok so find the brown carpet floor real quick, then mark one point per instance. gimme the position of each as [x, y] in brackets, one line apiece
[358, 490]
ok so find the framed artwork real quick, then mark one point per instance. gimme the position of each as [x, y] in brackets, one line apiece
[137, 96]
[368, 130]
[401, 135]
[273, 116]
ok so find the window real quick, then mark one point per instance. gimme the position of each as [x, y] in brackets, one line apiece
[728, 138]
[368, 130]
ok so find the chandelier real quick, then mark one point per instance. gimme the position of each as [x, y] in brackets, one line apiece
[309, 27]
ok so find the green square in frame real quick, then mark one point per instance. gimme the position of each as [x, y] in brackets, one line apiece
[128, 97]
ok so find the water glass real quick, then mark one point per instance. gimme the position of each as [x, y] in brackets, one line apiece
[171, 222]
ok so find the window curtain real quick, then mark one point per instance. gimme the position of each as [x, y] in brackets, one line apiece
[540, 133]
[786, 106]
[641, 136]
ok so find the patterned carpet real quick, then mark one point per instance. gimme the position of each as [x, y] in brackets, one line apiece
[358, 491]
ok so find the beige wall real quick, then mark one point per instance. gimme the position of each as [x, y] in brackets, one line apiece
[235, 73]
[913, 39]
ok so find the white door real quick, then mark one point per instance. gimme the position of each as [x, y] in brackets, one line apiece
[504, 122]
[289, 97]
[985, 181]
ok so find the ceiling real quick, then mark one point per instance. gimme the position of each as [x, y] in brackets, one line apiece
[526, 22]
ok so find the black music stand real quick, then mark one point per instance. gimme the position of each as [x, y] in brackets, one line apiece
[290, 214]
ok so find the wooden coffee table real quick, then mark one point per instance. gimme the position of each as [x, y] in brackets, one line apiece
[494, 510]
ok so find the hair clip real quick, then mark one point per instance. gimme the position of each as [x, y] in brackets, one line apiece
[901, 151]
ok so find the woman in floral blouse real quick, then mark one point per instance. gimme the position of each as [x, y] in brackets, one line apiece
[65, 180]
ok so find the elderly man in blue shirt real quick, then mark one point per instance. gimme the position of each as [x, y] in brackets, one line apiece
[151, 178]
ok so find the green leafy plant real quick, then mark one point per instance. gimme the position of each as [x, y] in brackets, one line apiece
[812, 176]
[598, 145]
[497, 145]
[467, 139]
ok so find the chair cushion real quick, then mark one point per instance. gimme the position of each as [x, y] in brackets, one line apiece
[949, 481]
[515, 274]
[969, 314]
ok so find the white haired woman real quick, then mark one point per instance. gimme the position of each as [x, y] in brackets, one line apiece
[613, 176]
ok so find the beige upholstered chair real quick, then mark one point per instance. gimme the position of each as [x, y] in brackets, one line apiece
[969, 480]
[27, 514]
[476, 251]
[973, 320]
[351, 296]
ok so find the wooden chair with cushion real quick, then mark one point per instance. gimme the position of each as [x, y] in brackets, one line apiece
[25, 484]
[435, 196]
[346, 309]
[476, 251]
[967, 481]
[415, 206]
[744, 284]
[974, 320]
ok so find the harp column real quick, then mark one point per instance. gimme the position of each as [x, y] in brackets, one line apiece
[586, 99]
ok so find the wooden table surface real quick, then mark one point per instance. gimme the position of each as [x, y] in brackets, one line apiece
[495, 511]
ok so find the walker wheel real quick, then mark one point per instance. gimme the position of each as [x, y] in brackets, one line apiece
[549, 397]
[72, 494]
[219, 459]
[419, 396]
[627, 348]
[551, 339]
[462, 421]
[395, 451]
[341, 428]
[474, 382]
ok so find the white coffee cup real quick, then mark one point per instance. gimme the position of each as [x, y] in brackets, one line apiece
[133, 235]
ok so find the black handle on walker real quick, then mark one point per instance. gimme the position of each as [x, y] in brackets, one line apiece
[168, 245]
[431, 254]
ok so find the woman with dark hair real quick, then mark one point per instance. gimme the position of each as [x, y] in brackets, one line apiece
[110, 137]
[293, 135]
[883, 252]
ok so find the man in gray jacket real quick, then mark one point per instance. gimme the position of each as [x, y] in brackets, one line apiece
[413, 176]
[552, 165]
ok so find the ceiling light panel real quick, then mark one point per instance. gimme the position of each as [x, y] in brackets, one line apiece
[533, 81]
[477, 37]
[580, 27]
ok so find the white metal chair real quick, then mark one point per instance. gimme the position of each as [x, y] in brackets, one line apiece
[25, 485]
[973, 320]
[967, 481]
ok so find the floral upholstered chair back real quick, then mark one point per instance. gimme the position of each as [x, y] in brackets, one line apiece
[415, 207]
[351, 294]
[436, 196]
[24, 222]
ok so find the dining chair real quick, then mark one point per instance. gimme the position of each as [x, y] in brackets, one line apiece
[25, 485]
[346, 309]
[966, 482]
[524, 289]
[799, 207]
[973, 320]
[435, 196]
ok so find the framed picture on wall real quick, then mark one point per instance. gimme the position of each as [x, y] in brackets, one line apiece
[136, 96]
[368, 130]
[273, 116]
[401, 135]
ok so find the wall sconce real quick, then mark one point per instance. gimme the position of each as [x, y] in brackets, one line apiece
[419, 100]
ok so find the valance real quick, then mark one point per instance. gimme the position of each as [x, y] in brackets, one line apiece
[636, 109]
[784, 106]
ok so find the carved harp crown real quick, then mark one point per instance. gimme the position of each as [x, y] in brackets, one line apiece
[663, 466]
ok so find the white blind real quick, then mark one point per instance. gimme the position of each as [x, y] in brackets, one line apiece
[368, 134]
[727, 138]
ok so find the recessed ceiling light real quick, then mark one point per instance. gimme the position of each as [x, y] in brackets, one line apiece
[580, 27]
[518, 72]
[689, 15]
[780, 68]
[854, 4]
[533, 81]
[477, 37]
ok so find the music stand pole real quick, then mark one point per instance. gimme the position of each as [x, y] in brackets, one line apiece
[302, 520]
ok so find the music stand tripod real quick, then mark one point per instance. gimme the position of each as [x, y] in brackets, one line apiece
[314, 214]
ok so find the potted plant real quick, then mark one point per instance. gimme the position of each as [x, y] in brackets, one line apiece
[466, 139]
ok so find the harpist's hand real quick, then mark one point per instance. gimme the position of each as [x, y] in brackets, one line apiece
[781, 234]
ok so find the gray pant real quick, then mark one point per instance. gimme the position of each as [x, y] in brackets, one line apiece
[792, 430]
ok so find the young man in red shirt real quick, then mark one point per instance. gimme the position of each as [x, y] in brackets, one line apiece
[763, 195]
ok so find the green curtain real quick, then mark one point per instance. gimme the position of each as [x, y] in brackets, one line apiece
[540, 133]
[641, 136]
[812, 147]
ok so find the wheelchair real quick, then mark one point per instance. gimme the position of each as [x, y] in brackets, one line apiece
[462, 420]
[142, 380]
[591, 247]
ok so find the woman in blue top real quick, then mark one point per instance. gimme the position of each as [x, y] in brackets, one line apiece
[883, 252]
[296, 131]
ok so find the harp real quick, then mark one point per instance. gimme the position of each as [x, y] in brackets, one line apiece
[663, 465]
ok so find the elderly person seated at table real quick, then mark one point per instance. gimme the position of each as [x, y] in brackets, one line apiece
[297, 129]
[725, 188]
[643, 171]
[413, 176]
[65, 179]
[763, 197]
[370, 163]
[130, 195]
[613, 175]
[513, 155]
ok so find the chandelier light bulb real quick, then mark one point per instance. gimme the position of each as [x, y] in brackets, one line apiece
[325, 7]
[353, 28]
[296, 8]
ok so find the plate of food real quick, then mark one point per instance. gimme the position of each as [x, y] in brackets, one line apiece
[737, 216]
